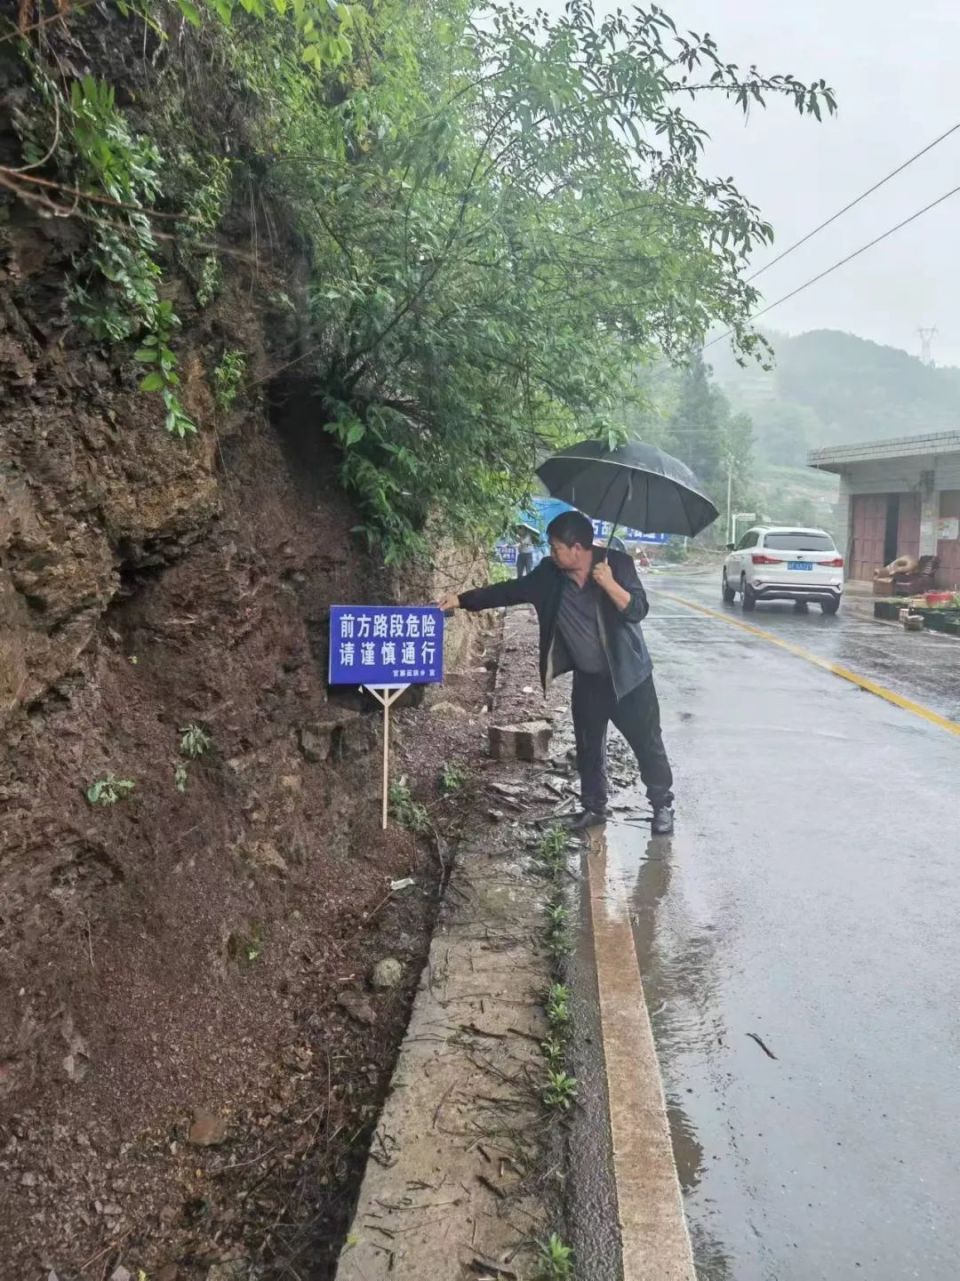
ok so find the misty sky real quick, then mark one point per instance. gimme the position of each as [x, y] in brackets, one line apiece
[894, 69]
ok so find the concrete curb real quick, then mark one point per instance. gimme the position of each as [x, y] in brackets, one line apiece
[653, 1230]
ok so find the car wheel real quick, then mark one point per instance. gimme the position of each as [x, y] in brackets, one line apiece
[831, 605]
[729, 593]
[748, 595]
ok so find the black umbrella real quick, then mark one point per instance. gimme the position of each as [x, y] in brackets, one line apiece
[636, 484]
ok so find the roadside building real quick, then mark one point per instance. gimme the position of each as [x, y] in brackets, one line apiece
[898, 498]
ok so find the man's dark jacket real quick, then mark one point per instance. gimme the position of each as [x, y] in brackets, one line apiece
[620, 632]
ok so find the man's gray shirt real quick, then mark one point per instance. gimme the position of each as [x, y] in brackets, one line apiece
[578, 624]
[622, 636]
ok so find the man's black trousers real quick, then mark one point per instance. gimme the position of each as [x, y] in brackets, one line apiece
[637, 717]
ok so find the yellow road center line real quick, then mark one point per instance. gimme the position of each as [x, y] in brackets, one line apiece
[863, 682]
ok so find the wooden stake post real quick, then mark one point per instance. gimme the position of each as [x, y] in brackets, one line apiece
[386, 696]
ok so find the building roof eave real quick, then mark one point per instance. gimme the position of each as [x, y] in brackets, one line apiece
[838, 458]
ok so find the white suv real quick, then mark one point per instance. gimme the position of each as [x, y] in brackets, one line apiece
[779, 562]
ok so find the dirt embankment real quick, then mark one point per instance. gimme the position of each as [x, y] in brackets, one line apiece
[185, 950]
[191, 1056]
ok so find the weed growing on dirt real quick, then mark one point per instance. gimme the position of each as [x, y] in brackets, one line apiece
[554, 1050]
[408, 812]
[246, 946]
[227, 378]
[558, 1009]
[551, 858]
[109, 790]
[453, 778]
[557, 913]
[194, 741]
[555, 1260]
[556, 934]
[559, 1091]
[551, 853]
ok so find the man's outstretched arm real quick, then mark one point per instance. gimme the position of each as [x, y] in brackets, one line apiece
[515, 591]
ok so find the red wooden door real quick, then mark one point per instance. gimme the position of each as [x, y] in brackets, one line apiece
[869, 523]
[908, 527]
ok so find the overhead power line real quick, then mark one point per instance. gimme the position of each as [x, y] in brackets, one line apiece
[846, 208]
[842, 263]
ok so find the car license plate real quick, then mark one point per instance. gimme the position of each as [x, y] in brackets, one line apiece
[799, 564]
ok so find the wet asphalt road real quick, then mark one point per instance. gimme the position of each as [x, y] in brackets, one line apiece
[810, 898]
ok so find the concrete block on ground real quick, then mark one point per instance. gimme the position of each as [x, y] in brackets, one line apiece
[527, 741]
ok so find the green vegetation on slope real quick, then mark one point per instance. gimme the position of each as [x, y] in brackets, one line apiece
[499, 215]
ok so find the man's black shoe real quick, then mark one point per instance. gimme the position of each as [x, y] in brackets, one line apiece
[586, 820]
[662, 821]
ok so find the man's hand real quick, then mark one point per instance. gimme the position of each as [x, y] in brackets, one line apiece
[603, 575]
[448, 603]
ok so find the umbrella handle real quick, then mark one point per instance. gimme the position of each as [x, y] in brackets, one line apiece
[623, 501]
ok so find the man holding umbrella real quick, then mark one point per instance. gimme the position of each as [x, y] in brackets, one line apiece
[590, 605]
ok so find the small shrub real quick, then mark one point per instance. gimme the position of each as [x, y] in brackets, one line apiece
[227, 378]
[558, 1008]
[194, 741]
[498, 572]
[408, 812]
[554, 1051]
[109, 790]
[452, 778]
[551, 853]
[557, 914]
[559, 1091]
[555, 1260]
[556, 936]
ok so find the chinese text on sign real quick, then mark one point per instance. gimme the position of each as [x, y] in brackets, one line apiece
[386, 645]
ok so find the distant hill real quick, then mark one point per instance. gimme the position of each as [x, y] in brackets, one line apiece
[832, 388]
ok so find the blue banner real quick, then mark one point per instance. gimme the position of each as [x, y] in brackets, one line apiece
[604, 528]
[386, 645]
[546, 509]
[506, 553]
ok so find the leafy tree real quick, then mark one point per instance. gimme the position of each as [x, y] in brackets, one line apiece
[498, 271]
[504, 216]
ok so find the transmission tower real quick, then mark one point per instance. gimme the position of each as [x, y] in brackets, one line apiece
[926, 344]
